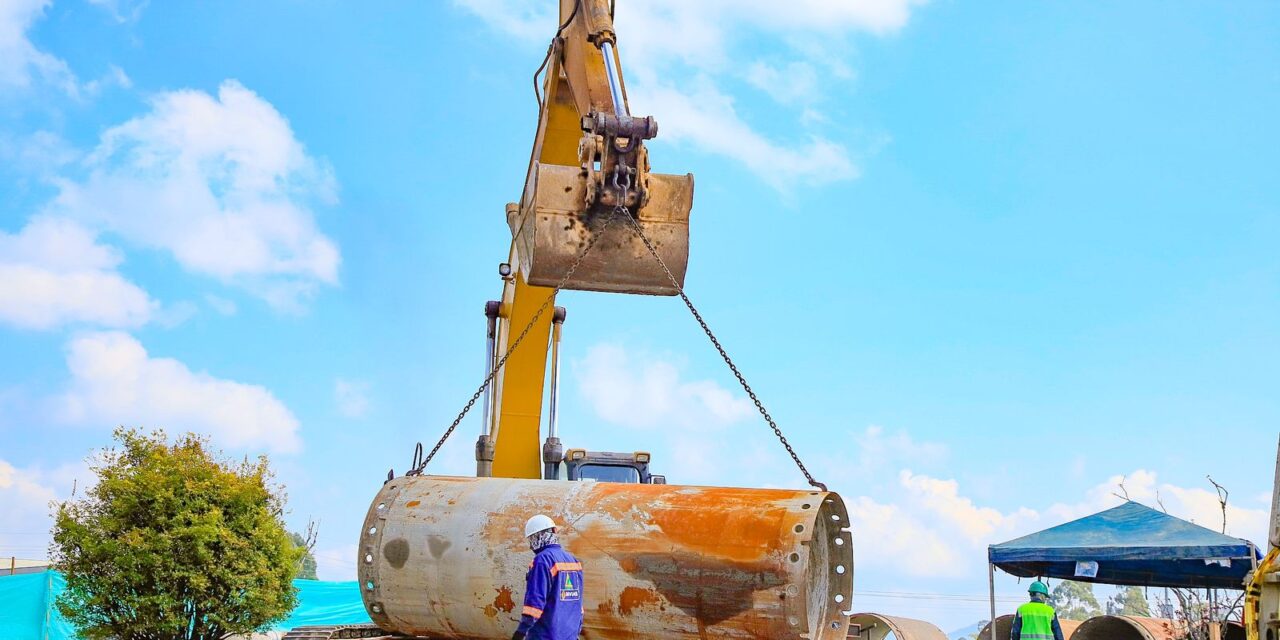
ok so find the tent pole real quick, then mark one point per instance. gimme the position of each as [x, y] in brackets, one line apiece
[991, 591]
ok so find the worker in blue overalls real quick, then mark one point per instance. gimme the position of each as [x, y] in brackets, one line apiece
[552, 588]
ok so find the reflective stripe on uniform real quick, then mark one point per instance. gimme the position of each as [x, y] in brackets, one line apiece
[565, 566]
[532, 611]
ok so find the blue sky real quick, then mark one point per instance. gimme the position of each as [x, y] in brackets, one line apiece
[981, 260]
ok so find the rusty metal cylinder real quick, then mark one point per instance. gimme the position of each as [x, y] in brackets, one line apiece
[446, 557]
[1128, 628]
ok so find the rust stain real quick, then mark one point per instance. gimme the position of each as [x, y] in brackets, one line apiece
[742, 525]
[710, 590]
[490, 611]
[605, 608]
[413, 503]
[504, 601]
[635, 597]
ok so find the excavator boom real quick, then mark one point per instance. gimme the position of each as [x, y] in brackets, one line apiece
[443, 557]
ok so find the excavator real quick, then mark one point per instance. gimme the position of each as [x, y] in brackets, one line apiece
[1261, 614]
[444, 557]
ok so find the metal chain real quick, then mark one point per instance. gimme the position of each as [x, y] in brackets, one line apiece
[635, 228]
[613, 215]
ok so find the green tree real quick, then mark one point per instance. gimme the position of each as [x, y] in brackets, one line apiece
[1129, 601]
[307, 563]
[174, 543]
[1074, 600]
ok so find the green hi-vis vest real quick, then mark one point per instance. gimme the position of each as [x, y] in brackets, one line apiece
[1037, 621]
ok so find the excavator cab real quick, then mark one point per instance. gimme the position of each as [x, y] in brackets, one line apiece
[606, 466]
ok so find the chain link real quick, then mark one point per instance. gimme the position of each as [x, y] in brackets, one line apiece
[635, 228]
[613, 215]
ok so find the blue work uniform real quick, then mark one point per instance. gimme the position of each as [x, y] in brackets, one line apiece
[552, 596]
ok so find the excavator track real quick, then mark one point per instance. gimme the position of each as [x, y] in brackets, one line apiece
[336, 632]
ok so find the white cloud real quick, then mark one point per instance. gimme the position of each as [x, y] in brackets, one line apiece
[637, 390]
[352, 397]
[222, 305]
[877, 448]
[926, 527]
[53, 272]
[219, 182]
[1196, 504]
[114, 77]
[336, 563]
[793, 83]
[26, 494]
[893, 537]
[678, 56]
[40, 154]
[705, 117]
[114, 381]
[122, 10]
[20, 60]
[955, 513]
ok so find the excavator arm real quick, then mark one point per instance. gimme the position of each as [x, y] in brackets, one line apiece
[589, 163]
[442, 557]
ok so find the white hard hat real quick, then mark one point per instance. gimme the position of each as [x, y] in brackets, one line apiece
[538, 523]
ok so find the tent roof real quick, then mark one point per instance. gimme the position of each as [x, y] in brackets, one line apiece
[1133, 545]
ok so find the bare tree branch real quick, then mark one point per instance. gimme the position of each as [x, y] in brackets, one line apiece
[1123, 490]
[1222, 500]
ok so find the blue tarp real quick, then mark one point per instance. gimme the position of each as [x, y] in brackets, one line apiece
[27, 610]
[1132, 544]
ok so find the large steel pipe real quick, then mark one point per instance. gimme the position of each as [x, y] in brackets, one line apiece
[1004, 626]
[877, 626]
[446, 557]
[1128, 628]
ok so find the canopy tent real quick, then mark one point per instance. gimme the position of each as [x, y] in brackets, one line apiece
[1131, 544]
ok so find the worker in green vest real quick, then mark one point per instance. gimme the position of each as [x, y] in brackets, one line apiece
[1036, 620]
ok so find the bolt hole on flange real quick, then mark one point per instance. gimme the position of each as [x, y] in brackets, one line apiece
[840, 569]
[373, 530]
[839, 542]
[799, 528]
[805, 505]
[368, 558]
[795, 557]
[839, 598]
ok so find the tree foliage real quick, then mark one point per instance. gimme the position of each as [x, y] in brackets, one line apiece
[1074, 600]
[1129, 601]
[307, 561]
[173, 542]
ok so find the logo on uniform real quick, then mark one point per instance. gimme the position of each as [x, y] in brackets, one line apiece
[570, 591]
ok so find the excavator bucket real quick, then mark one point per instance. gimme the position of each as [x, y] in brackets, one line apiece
[552, 237]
